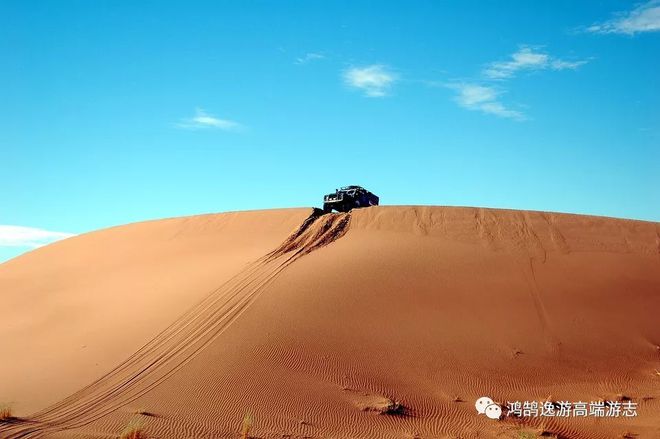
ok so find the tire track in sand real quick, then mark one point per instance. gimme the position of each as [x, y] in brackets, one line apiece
[179, 343]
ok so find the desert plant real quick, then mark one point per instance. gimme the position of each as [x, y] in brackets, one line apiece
[393, 408]
[5, 412]
[144, 412]
[247, 426]
[134, 430]
[384, 406]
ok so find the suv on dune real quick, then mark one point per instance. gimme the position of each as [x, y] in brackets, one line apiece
[347, 198]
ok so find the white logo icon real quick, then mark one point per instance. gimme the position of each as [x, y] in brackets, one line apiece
[485, 405]
[494, 411]
[482, 403]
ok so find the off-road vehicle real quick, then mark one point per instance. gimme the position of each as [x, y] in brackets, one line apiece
[347, 198]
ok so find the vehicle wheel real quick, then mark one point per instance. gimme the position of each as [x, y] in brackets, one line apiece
[327, 208]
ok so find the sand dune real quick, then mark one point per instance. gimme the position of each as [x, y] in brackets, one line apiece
[386, 322]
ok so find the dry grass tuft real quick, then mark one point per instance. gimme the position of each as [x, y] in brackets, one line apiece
[539, 432]
[134, 430]
[393, 408]
[5, 412]
[247, 426]
[386, 406]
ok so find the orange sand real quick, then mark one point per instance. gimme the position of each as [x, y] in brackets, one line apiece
[316, 325]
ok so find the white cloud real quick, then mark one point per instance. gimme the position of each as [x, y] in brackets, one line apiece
[559, 64]
[526, 58]
[375, 80]
[644, 18]
[309, 57]
[480, 96]
[483, 98]
[19, 236]
[202, 119]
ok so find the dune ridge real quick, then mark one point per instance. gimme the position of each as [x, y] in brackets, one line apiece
[426, 307]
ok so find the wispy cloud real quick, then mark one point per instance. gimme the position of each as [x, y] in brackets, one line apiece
[483, 95]
[529, 59]
[483, 98]
[202, 120]
[19, 236]
[309, 57]
[644, 18]
[559, 64]
[374, 80]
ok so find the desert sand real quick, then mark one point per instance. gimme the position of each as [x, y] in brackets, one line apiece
[386, 322]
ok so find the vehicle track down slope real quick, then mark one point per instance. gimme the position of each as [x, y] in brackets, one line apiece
[179, 343]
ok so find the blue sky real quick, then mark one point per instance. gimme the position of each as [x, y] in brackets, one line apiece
[121, 111]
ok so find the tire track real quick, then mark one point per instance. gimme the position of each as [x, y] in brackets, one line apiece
[179, 343]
